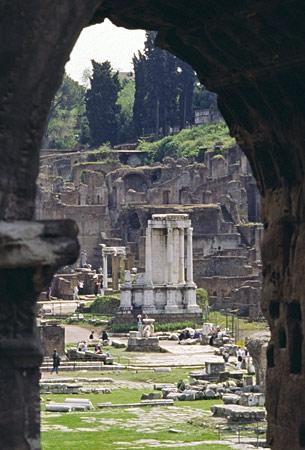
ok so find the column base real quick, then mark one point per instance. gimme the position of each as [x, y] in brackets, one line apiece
[148, 306]
[125, 300]
[190, 300]
[171, 305]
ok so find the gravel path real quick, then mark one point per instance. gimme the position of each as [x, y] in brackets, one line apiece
[74, 334]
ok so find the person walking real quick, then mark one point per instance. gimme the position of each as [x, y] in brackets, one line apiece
[56, 361]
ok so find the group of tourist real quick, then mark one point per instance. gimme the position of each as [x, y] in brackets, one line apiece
[189, 334]
[216, 333]
[102, 337]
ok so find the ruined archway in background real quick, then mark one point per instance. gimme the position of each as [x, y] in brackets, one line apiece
[252, 55]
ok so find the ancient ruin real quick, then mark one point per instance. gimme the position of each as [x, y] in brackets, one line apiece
[252, 55]
[166, 286]
[112, 202]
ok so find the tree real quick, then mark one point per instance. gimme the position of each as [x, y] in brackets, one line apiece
[186, 82]
[126, 101]
[203, 98]
[101, 104]
[164, 90]
[66, 118]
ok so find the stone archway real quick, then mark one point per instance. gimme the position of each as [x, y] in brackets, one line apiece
[252, 55]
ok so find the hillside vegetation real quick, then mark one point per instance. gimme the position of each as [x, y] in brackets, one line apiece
[189, 142]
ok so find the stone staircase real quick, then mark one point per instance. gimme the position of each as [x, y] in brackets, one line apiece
[72, 366]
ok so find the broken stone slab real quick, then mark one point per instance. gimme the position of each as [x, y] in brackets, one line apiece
[135, 405]
[169, 390]
[95, 390]
[237, 413]
[231, 399]
[59, 388]
[58, 407]
[87, 404]
[174, 396]
[161, 386]
[252, 399]
[151, 396]
[210, 394]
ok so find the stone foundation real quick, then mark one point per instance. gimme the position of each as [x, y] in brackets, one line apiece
[141, 344]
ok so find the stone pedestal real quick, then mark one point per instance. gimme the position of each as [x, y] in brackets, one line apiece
[214, 367]
[171, 305]
[125, 305]
[190, 299]
[141, 344]
[148, 300]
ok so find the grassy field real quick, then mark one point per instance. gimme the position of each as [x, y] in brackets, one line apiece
[183, 424]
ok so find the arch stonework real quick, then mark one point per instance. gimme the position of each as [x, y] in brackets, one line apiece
[252, 55]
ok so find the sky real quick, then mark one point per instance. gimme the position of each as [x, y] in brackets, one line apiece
[104, 42]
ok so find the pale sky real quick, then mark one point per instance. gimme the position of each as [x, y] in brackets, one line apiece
[104, 42]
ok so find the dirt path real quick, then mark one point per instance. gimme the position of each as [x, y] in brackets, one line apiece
[75, 333]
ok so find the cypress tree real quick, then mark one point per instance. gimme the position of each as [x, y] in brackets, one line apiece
[101, 104]
[164, 90]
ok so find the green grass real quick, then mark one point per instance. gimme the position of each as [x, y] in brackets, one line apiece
[140, 376]
[103, 428]
[110, 426]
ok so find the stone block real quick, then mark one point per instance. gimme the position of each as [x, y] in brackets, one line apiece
[139, 344]
[214, 368]
[237, 413]
[210, 393]
[151, 396]
[58, 407]
[79, 402]
[52, 336]
[161, 386]
[231, 399]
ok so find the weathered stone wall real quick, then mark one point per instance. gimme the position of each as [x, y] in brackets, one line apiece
[52, 337]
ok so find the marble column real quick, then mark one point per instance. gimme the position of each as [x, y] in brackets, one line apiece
[181, 256]
[105, 272]
[148, 255]
[169, 255]
[115, 272]
[189, 256]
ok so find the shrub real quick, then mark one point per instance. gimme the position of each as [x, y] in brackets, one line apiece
[168, 326]
[202, 298]
[105, 305]
[189, 142]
